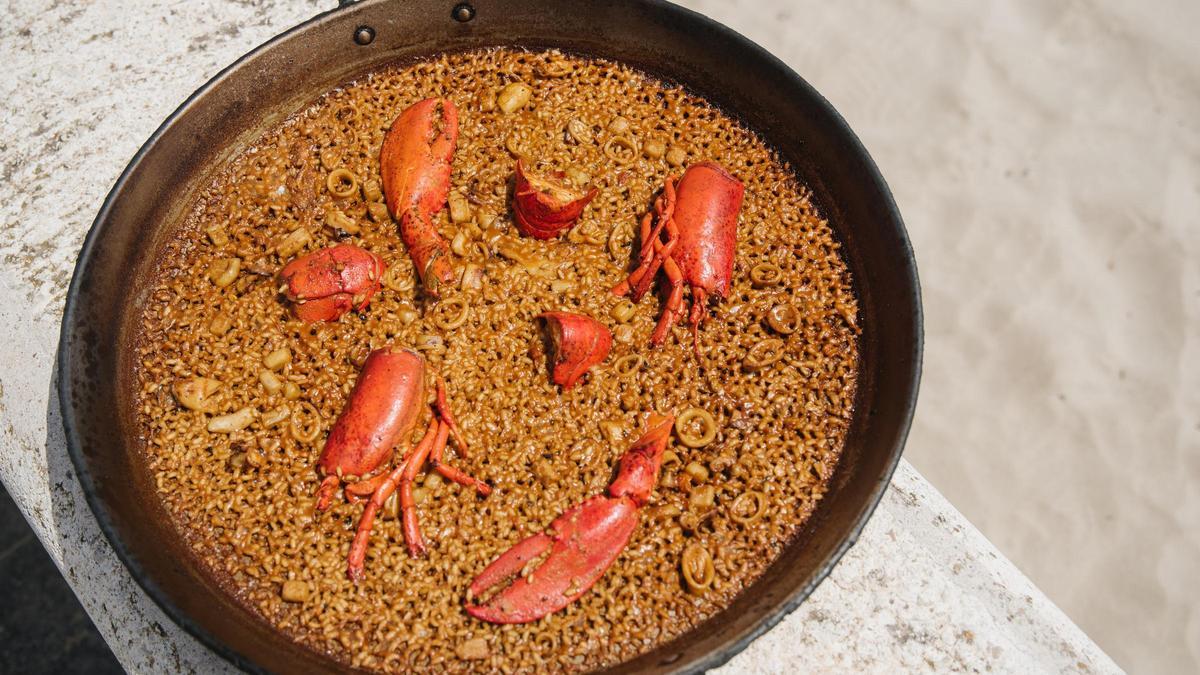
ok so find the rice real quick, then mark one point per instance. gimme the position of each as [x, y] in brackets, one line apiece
[244, 499]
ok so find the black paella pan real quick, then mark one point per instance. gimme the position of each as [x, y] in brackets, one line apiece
[96, 384]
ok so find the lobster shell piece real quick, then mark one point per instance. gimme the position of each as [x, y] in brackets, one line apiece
[382, 410]
[545, 207]
[327, 283]
[707, 202]
[578, 342]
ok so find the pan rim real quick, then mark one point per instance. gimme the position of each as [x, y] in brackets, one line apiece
[65, 386]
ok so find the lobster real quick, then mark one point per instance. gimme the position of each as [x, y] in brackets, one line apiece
[382, 411]
[691, 235]
[327, 283]
[582, 543]
[414, 162]
[545, 207]
[577, 343]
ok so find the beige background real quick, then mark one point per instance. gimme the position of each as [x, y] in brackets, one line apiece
[1046, 157]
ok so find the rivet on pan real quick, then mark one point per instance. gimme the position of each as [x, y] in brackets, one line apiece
[364, 35]
[463, 12]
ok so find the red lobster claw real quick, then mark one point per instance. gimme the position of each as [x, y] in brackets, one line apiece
[583, 542]
[415, 165]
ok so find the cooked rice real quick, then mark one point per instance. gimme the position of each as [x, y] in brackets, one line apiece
[244, 500]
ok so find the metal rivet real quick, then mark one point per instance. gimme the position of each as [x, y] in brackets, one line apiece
[364, 35]
[463, 12]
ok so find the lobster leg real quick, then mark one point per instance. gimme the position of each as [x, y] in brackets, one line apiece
[648, 236]
[653, 250]
[664, 208]
[455, 474]
[363, 489]
[447, 471]
[642, 278]
[697, 316]
[643, 284]
[645, 256]
[326, 491]
[663, 253]
[674, 303]
[443, 410]
[358, 548]
[434, 438]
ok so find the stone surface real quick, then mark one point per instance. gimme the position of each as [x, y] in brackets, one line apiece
[85, 83]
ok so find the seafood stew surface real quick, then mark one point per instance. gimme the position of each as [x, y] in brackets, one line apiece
[239, 388]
